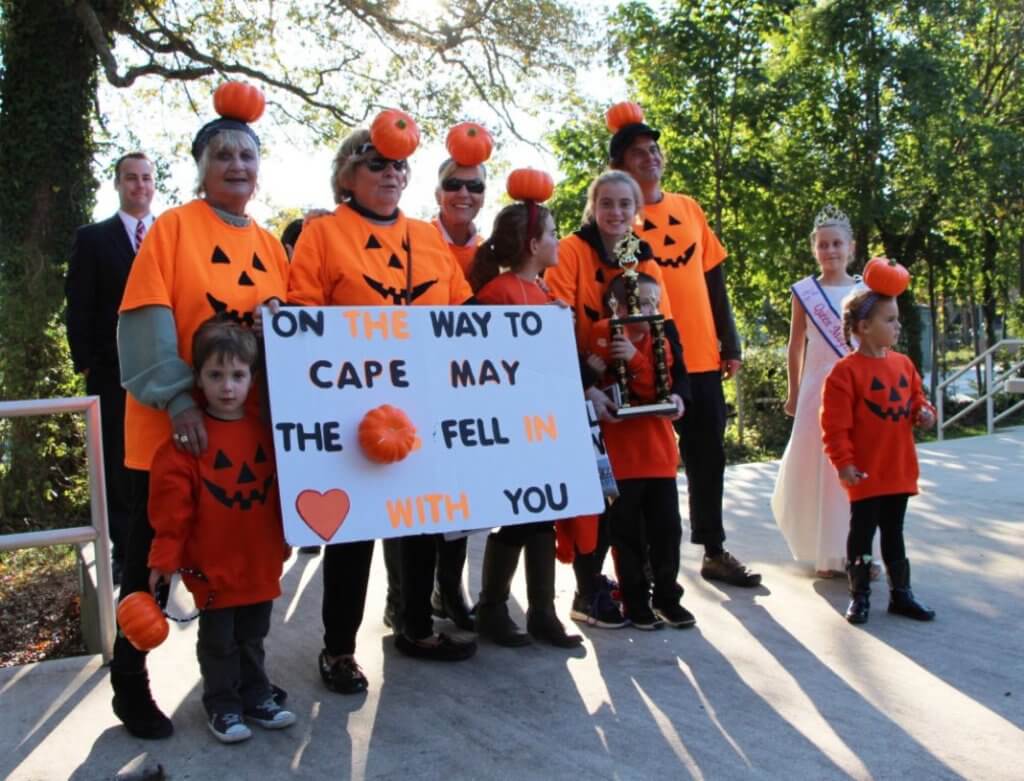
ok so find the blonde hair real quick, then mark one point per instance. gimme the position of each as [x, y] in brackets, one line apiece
[231, 140]
[612, 176]
[344, 165]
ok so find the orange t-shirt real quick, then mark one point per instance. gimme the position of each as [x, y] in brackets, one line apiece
[346, 260]
[686, 248]
[643, 446]
[580, 279]
[867, 417]
[197, 265]
[463, 253]
[219, 513]
[509, 290]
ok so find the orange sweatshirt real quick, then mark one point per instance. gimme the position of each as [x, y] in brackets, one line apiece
[219, 513]
[867, 415]
[644, 446]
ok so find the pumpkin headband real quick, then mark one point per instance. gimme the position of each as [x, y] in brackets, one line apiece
[238, 104]
[626, 121]
[532, 187]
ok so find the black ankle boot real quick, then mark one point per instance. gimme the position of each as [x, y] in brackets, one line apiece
[901, 598]
[492, 618]
[859, 575]
[133, 705]
[541, 620]
[448, 599]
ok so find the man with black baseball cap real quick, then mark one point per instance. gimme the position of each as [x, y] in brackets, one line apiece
[690, 257]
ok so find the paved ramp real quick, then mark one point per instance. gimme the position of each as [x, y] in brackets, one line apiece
[772, 683]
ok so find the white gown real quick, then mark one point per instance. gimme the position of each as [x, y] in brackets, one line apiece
[809, 503]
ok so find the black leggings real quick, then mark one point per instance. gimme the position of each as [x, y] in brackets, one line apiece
[135, 574]
[877, 512]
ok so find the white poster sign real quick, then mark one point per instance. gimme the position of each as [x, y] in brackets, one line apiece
[494, 393]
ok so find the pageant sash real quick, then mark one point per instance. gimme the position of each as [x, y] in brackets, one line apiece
[821, 312]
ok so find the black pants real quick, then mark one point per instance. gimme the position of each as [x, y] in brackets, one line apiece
[702, 447]
[135, 575]
[105, 382]
[417, 555]
[518, 535]
[346, 568]
[231, 656]
[885, 513]
[644, 524]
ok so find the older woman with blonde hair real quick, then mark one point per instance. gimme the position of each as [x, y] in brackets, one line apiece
[204, 258]
[368, 253]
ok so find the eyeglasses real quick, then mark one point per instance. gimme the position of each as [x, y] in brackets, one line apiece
[453, 185]
[378, 164]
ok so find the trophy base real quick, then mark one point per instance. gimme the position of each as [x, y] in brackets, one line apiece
[665, 408]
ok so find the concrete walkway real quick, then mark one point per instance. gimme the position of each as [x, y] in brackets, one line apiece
[772, 683]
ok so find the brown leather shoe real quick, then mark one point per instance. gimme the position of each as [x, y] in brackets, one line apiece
[728, 569]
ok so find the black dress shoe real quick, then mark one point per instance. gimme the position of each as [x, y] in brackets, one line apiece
[343, 675]
[446, 649]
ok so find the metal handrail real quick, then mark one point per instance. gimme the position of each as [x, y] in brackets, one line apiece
[992, 386]
[98, 533]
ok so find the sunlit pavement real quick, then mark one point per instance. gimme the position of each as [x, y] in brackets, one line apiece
[772, 683]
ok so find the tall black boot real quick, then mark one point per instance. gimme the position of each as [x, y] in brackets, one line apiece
[393, 565]
[541, 620]
[901, 598]
[492, 618]
[448, 599]
[859, 574]
[133, 704]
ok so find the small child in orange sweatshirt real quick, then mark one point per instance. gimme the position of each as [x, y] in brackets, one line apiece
[218, 513]
[644, 521]
[871, 400]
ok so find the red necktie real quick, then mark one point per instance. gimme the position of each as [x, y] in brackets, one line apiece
[140, 231]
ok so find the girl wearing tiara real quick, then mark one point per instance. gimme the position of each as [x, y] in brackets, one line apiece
[809, 503]
[871, 401]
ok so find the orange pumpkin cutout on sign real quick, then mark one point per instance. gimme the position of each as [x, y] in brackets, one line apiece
[142, 621]
[394, 134]
[386, 435]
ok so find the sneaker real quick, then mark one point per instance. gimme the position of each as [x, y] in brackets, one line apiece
[675, 615]
[728, 569]
[600, 611]
[229, 728]
[343, 676]
[270, 715]
[643, 618]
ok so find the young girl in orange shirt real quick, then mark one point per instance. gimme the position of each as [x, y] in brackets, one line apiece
[871, 400]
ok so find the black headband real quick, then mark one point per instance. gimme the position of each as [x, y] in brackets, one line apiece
[212, 128]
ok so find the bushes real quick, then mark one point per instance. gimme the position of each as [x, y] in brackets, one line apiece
[762, 394]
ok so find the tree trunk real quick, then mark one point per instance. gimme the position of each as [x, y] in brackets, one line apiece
[48, 88]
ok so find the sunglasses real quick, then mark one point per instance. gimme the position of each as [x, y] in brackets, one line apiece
[378, 164]
[453, 185]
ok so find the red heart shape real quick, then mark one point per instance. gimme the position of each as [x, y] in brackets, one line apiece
[323, 513]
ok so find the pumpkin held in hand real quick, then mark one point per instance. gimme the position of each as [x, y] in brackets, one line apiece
[142, 621]
[886, 277]
[386, 434]
[622, 114]
[238, 100]
[394, 134]
[469, 144]
[530, 184]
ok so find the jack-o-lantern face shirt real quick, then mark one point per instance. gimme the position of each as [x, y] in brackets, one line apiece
[685, 248]
[867, 416]
[197, 265]
[220, 514]
[346, 260]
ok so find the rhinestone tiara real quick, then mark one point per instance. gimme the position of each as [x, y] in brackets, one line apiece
[832, 215]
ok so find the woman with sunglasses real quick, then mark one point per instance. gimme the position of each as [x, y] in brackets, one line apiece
[368, 253]
[460, 195]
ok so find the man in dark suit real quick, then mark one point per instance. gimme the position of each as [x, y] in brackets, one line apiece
[100, 260]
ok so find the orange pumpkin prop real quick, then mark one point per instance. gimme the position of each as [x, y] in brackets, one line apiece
[386, 434]
[142, 621]
[529, 184]
[622, 114]
[237, 100]
[469, 144]
[394, 134]
[886, 277]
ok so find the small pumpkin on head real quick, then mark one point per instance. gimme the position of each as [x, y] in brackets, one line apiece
[469, 144]
[394, 134]
[626, 121]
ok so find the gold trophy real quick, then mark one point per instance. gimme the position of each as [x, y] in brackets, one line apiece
[625, 255]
